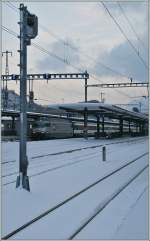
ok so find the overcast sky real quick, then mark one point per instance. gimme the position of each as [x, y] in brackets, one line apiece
[90, 39]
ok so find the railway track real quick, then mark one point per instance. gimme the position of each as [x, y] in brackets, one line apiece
[110, 198]
[77, 160]
[104, 204]
[49, 169]
[82, 148]
[78, 149]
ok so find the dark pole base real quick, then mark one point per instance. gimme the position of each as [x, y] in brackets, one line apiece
[23, 180]
[85, 135]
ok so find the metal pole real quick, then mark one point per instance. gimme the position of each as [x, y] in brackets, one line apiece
[140, 104]
[98, 126]
[5, 89]
[121, 126]
[104, 153]
[129, 127]
[136, 127]
[103, 125]
[85, 89]
[102, 94]
[85, 123]
[85, 113]
[23, 161]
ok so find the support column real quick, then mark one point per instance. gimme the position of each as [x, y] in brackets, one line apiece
[85, 112]
[141, 128]
[121, 126]
[129, 127]
[13, 122]
[22, 179]
[103, 126]
[137, 127]
[85, 90]
[85, 123]
[98, 126]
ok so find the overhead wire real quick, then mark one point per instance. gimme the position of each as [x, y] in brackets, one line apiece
[83, 53]
[13, 7]
[131, 26]
[128, 40]
[59, 58]
[57, 37]
[39, 48]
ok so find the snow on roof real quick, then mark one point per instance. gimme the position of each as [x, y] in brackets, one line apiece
[6, 118]
[97, 107]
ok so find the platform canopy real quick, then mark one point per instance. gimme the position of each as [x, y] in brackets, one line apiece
[95, 109]
[101, 109]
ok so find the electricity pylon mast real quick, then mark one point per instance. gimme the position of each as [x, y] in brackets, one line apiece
[4, 87]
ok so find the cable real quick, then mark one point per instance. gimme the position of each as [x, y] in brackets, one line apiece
[57, 57]
[75, 49]
[86, 55]
[121, 30]
[57, 37]
[119, 91]
[9, 4]
[129, 22]
[9, 31]
[42, 50]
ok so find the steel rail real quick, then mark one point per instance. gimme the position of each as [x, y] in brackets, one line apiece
[104, 205]
[77, 149]
[69, 199]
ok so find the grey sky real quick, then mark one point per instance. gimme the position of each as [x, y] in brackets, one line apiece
[89, 29]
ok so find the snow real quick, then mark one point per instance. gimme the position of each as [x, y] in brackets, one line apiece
[64, 175]
[120, 213]
[96, 107]
[134, 230]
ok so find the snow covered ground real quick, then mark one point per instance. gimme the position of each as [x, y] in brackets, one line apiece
[54, 178]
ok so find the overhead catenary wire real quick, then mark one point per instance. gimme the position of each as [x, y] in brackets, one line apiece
[122, 31]
[12, 6]
[86, 55]
[131, 26]
[75, 49]
[59, 58]
[37, 46]
[79, 69]
[83, 53]
[57, 37]
[107, 67]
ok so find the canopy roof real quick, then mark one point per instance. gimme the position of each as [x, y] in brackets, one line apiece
[100, 109]
[108, 110]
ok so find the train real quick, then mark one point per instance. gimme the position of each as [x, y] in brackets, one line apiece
[111, 129]
[51, 128]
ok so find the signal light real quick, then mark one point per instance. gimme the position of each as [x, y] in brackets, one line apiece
[32, 26]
